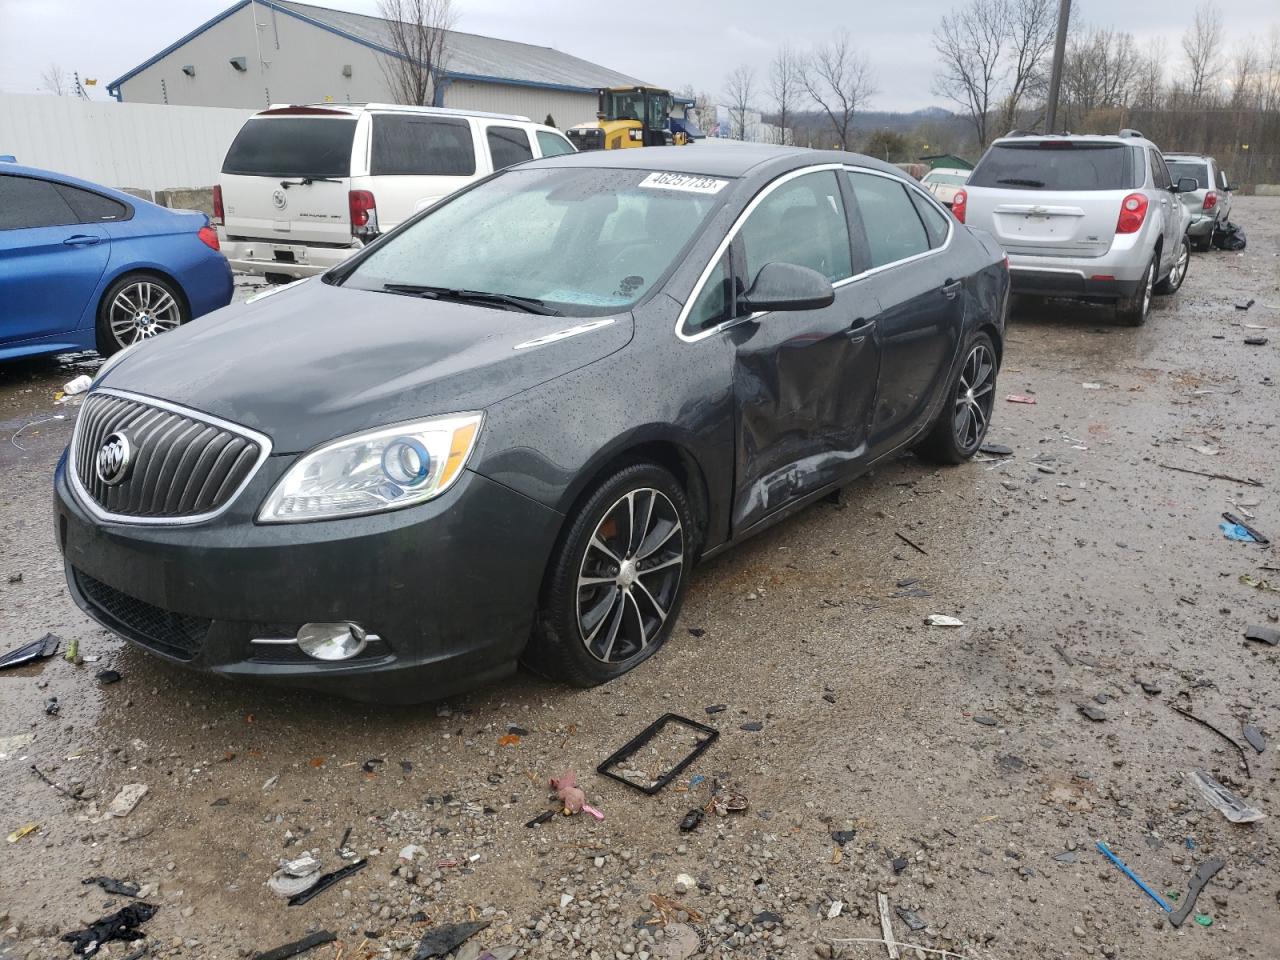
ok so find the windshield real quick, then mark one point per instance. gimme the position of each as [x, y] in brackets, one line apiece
[1056, 165]
[292, 147]
[1199, 172]
[582, 241]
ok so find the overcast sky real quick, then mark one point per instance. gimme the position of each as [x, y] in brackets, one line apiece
[667, 42]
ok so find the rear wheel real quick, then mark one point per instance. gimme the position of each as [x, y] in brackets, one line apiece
[962, 424]
[1133, 310]
[616, 583]
[1178, 273]
[137, 307]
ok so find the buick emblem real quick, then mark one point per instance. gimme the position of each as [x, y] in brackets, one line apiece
[279, 199]
[115, 457]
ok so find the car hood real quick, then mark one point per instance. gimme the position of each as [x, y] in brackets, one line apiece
[312, 362]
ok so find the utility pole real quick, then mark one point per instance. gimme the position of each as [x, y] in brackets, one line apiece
[1055, 74]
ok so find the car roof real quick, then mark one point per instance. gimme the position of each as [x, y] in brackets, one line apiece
[1076, 137]
[354, 109]
[727, 158]
[1187, 156]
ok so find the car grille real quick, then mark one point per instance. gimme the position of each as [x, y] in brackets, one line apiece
[181, 466]
[174, 634]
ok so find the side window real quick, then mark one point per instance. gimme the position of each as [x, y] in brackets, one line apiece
[92, 207]
[802, 222]
[508, 145]
[712, 305]
[889, 219]
[421, 146]
[1222, 180]
[935, 221]
[1159, 172]
[26, 202]
[552, 144]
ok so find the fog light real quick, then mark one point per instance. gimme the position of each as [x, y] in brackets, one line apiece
[332, 641]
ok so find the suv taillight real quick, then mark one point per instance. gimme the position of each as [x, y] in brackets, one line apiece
[364, 213]
[219, 216]
[1210, 200]
[1133, 211]
[959, 203]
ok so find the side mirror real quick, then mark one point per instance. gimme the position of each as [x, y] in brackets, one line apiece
[787, 286]
[1186, 185]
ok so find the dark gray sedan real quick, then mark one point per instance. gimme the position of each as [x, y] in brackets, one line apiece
[507, 430]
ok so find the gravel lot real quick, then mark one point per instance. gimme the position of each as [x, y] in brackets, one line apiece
[955, 765]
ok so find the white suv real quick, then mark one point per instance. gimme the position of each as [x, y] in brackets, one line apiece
[1091, 217]
[304, 187]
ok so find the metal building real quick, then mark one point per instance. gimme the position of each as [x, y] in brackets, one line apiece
[259, 52]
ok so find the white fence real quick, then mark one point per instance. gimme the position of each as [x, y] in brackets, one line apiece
[147, 146]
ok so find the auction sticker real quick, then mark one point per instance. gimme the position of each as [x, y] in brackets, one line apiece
[687, 182]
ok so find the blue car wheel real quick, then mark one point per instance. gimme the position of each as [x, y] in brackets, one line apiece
[136, 307]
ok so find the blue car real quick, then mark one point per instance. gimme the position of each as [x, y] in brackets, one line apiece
[85, 267]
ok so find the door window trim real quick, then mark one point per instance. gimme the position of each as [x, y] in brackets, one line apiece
[732, 234]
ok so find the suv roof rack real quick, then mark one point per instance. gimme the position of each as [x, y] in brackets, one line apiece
[399, 107]
[1127, 132]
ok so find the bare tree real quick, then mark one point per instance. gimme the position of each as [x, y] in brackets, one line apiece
[54, 80]
[970, 43]
[1202, 44]
[1030, 32]
[1148, 79]
[1245, 78]
[785, 88]
[418, 31]
[839, 80]
[740, 94]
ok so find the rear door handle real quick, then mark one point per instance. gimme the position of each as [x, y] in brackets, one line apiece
[951, 289]
[81, 240]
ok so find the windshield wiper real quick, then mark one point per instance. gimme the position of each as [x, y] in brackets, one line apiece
[307, 181]
[527, 304]
[1019, 182]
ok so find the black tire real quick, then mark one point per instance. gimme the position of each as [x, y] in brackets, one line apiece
[957, 433]
[158, 306]
[570, 643]
[1133, 310]
[1178, 272]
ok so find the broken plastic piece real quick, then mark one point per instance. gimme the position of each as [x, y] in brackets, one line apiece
[40, 649]
[1258, 583]
[1255, 738]
[910, 918]
[108, 676]
[711, 734]
[121, 925]
[1223, 800]
[1233, 531]
[327, 881]
[541, 818]
[1204, 920]
[444, 940]
[1204, 873]
[996, 449]
[22, 831]
[121, 888]
[1020, 398]
[77, 385]
[1268, 635]
[1231, 518]
[288, 950]
[691, 821]
[1133, 876]
[942, 620]
[1255, 341]
[1245, 304]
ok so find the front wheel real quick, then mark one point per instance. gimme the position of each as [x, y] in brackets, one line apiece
[136, 307]
[962, 424]
[616, 582]
[1178, 273]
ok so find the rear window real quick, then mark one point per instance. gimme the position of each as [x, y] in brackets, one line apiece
[292, 147]
[1199, 172]
[508, 146]
[425, 146]
[1056, 165]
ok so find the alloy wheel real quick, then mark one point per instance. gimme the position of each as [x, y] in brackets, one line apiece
[975, 395]
[1146, 293]
[630, 575]
[142, 310]
[1180, 267]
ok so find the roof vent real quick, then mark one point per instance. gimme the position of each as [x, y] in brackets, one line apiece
[239, 64]
[1126, 132]
[189, 70]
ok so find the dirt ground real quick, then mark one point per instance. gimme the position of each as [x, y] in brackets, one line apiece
[973, 786]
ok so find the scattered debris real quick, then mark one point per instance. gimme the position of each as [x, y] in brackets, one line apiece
[691, 821]
[1066, 658]
[309, 942]
[702, 743]
[1213, 476]
[1245, 305]
[717, 708]
[121, 888]
[886, 926]
[1205, 723]
[52, 707]
[1258, 583]
[1223, 800]
[1204, 451]
[834, 910]
[685, 884]
[128, 798]
[1204, 920]
[295, 876]
[22, 831]
[73, 651]
[912, 919]
[752, 726]
[1106, 851]
[541, 818]
[371, 765]
[444, 940]
[40, 649]
[911, 543]
[996, 449]
[108, 676]
[942, 620]
[1254, 736]
[77, 385]
[121, 925]
[327, 881]
[1231, 518]
[1096, 714]
[1092, 386]
[843, 836]
[1204, 873]
[70, 794]
[1255, 341]
[723, 804]
[1020, 398]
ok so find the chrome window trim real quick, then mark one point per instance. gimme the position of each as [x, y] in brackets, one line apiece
[86, 501]
[836, 285]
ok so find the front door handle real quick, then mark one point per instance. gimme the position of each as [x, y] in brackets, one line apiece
[81, 240]
[859, 329]
[951, 289]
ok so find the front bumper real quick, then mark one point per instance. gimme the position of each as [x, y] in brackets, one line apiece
[261, 257]
[450, 587]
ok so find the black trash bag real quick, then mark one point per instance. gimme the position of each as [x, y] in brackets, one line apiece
[1229, 237]
[121, 925]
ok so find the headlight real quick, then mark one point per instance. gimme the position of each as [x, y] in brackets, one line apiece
[383, 469]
